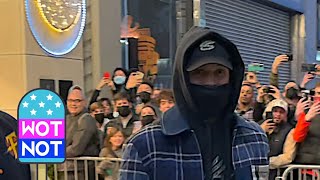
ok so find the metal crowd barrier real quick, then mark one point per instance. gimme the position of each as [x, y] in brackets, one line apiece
[86, 161]
[298, 172]
[291, 172]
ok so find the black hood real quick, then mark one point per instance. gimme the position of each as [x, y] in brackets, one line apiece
[184, 100]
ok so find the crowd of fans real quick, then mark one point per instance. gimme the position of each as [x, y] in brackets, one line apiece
[135, 103]
[289, 117]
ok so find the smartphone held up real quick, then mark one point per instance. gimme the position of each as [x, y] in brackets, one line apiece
[308, 68]
[106, 75]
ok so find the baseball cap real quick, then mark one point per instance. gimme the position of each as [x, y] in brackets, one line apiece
[280, 103]
[208, 52]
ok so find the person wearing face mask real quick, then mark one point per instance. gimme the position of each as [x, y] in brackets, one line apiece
[144, 92]
[292, 96]
[125, 120]
[148, 115]
[119, 79]
[96, 111]
[116, 84]
[143, 96]
[201, 137]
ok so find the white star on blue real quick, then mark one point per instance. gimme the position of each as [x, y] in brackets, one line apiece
[41, 104]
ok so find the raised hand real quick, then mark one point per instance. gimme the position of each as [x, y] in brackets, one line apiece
[277, 61]
[314, 110]
[306, 78]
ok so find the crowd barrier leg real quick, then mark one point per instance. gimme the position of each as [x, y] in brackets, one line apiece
[299, 172]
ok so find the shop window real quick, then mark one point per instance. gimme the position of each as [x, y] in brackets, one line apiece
[47, 84]
[148, 37]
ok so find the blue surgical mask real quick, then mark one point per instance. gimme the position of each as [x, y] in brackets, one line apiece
[119, 80]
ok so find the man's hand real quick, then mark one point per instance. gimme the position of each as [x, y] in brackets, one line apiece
[111, 85]
[277, 61]
[251, 77]
[302, 105]
[261, 94]
[317, 70]
[102, 83]
[268, 125]
[276, 93]
[306, 78]
[132, 81]
[314, 110]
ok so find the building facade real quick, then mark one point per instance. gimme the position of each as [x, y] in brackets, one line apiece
[261, 29]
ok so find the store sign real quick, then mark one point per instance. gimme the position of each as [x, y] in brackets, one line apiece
[41, 120]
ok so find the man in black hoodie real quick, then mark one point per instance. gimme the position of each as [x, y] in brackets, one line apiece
[201, 137]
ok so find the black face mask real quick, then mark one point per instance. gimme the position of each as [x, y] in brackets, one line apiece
[147, 119]
[210, 101]
[99, 117]
[292, 93]
[124, 111]
[145, 96]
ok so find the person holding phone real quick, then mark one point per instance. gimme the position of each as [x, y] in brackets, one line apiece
[307, 132]
[280, 135]
[116, 83]
[266, 94]
[134, 80]
[283, 58]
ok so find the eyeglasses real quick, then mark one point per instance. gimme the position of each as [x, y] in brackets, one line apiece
[75, 100]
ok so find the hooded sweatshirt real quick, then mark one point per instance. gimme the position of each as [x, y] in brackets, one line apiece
[214, 134]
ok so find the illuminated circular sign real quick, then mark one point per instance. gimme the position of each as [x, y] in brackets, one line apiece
[61, 14]
[57, 25]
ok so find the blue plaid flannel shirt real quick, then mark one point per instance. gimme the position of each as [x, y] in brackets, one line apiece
[171, 152]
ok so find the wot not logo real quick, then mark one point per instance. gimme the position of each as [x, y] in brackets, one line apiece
[41, 120]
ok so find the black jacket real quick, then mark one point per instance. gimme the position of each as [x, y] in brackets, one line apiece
[212, 138]
[9, 164]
